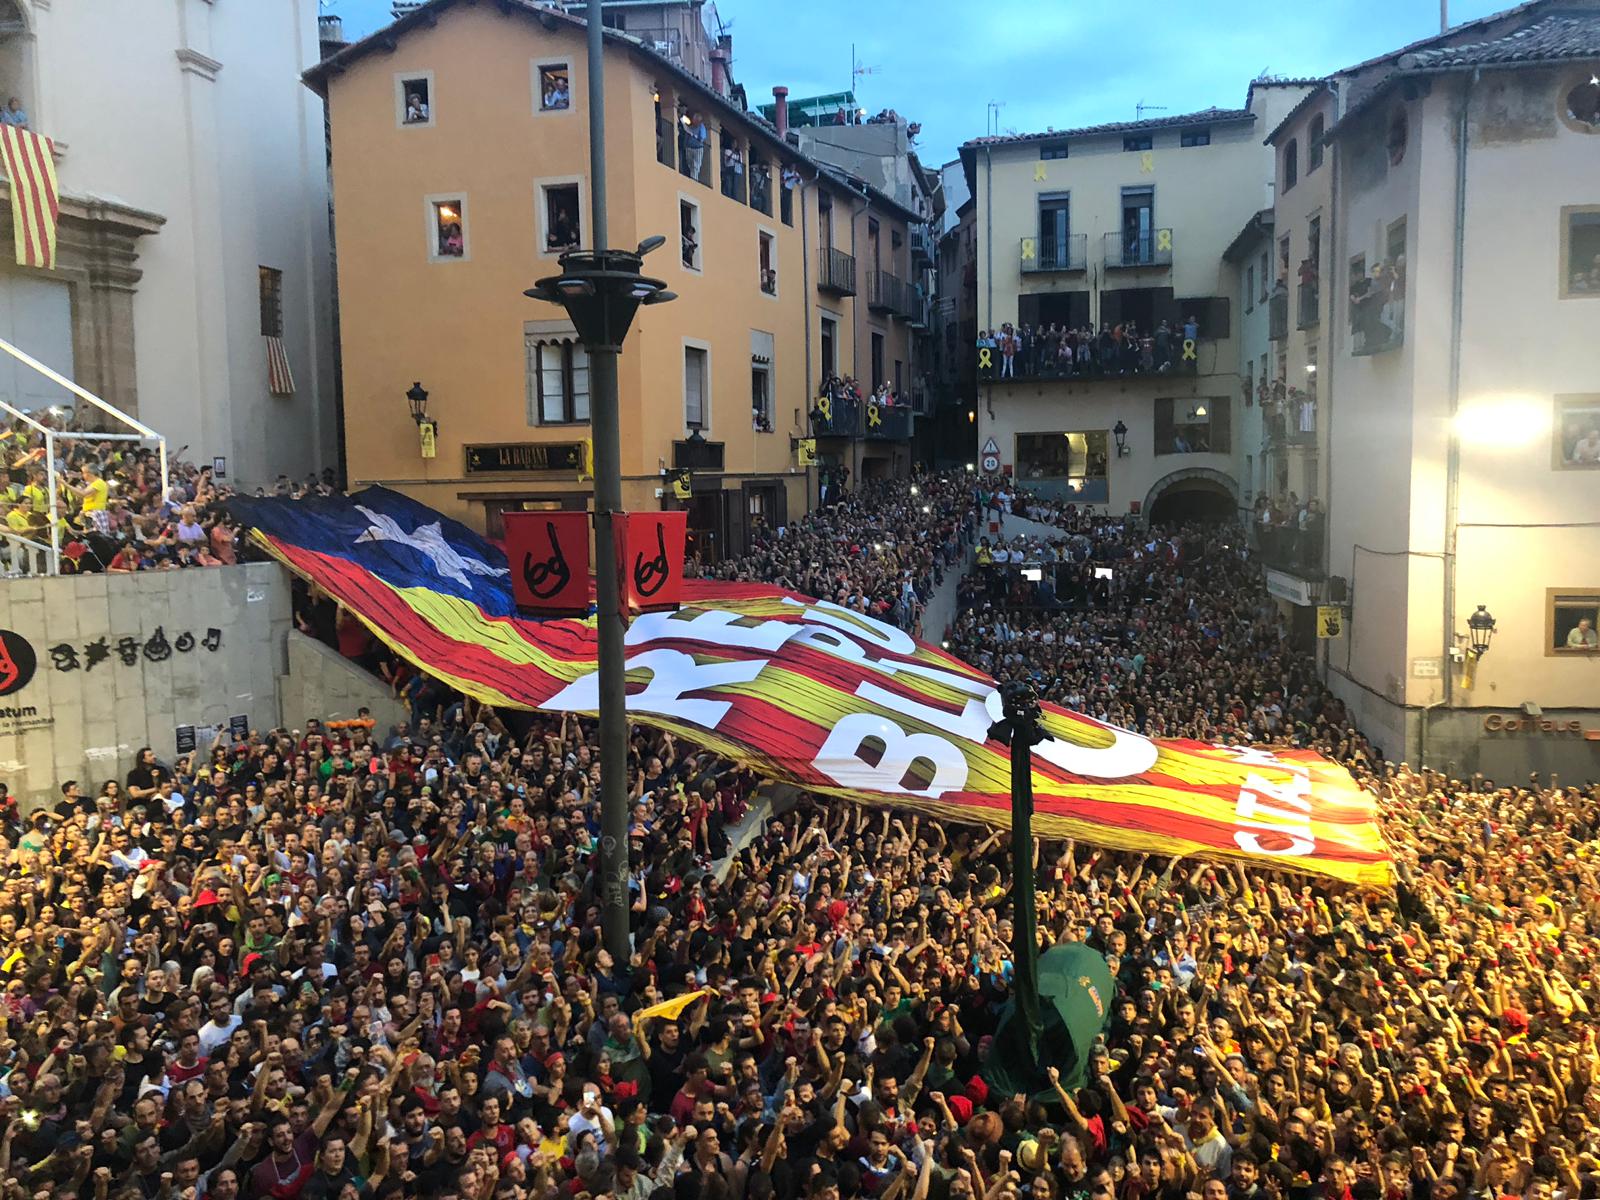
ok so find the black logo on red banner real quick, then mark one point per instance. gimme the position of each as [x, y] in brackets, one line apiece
[650, 577]
[18, 662]
[550, 577]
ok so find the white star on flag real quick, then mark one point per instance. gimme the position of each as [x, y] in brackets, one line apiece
[427, 540]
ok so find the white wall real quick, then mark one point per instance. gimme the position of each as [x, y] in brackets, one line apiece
[236, 165]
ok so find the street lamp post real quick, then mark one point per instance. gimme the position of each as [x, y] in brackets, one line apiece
[1020, 729]
[602, 290]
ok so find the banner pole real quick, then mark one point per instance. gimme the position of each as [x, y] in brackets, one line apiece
[1021, 730]
[606, 430]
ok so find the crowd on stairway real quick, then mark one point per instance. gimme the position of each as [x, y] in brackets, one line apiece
[340, 962]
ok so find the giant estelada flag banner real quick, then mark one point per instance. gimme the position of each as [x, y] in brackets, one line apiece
[817, 695]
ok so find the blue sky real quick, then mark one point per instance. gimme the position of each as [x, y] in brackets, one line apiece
[1061, 63]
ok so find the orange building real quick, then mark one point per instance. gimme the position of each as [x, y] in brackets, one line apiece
[461, 172]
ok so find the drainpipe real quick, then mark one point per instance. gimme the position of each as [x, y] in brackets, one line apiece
[1452, 494]
[1326, 367]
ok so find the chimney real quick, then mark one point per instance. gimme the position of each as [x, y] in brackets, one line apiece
[719, 71]
[780, 112]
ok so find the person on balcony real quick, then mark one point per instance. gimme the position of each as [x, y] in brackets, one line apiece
[695, 140]
[1008, 352]
[15, 114]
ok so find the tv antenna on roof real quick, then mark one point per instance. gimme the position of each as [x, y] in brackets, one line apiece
[992, 121]
[1141, 108]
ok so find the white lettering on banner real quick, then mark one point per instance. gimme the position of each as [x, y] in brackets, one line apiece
[971, 723]
[830, 641]
[714, 626]
[1291, 820]
[1128, 755]
[840, 757]
[827, 613]
[672, 673]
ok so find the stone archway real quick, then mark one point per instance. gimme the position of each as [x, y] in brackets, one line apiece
[1216, 491]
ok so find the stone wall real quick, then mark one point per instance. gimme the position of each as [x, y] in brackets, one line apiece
[323, 683]
[122, 661]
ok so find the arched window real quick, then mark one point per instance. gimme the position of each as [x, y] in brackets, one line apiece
[1314, 148]
[16, 64]
[1291, 164]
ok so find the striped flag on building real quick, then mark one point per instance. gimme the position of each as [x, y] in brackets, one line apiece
[35, 204]
[280, 379]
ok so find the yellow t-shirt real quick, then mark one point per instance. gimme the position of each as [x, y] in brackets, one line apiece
[95, 496]
[17, 521]
[38, 496]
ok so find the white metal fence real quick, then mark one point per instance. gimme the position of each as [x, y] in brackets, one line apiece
[36, 552]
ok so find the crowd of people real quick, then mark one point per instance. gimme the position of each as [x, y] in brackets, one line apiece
[1057, 351]
[112, 514]
[336, 962]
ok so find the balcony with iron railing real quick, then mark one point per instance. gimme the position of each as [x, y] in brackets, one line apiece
[1129, 250]
[919, 311]
[1093, 360]
[666, 42]
[1289, 548]
[836, 416]
[694, 154]
[887, 422]
[666, 136]
[836, 271]
[1278, 315]
[1307, 314]
[1069, 253]
[885, 292]
[922, 244]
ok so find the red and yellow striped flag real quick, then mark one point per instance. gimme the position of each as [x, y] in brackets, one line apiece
[35, 203]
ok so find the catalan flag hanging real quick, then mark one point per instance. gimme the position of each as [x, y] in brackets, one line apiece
[818, 696]
[30, 165]
[280, 379]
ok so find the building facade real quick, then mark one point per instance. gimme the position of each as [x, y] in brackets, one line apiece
[194, 224]
[1463, 432]
[461, 174]
[1113, 373]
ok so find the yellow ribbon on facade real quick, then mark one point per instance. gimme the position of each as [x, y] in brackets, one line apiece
[1163, 239]
[825, 407]
[1147, 162]
[874, 415]
[1038, 173]
[985, 357]
[1027, 250]
[1188, 350]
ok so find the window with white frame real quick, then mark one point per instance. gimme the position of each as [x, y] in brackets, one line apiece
[563, 216]
[689, 228]
[558, 381]
[696, 387]
[447, 228]
[766, 248]
[413, 96]
[553, 84]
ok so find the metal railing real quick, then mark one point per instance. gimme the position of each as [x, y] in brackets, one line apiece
[1278, 315]
[665, 137]
[1306, 314]
[1070, 253]
[1152, 248]
[666, 42]
[694, 159]
[836, 271]
[887, 422]
[836, 416]
[885, 292]
[922, 243]
[761, 187]
[1292, 549]
[1169, 354]
[51, 552]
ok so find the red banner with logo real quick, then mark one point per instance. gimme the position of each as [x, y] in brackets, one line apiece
[650, 551]
[549, 557]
